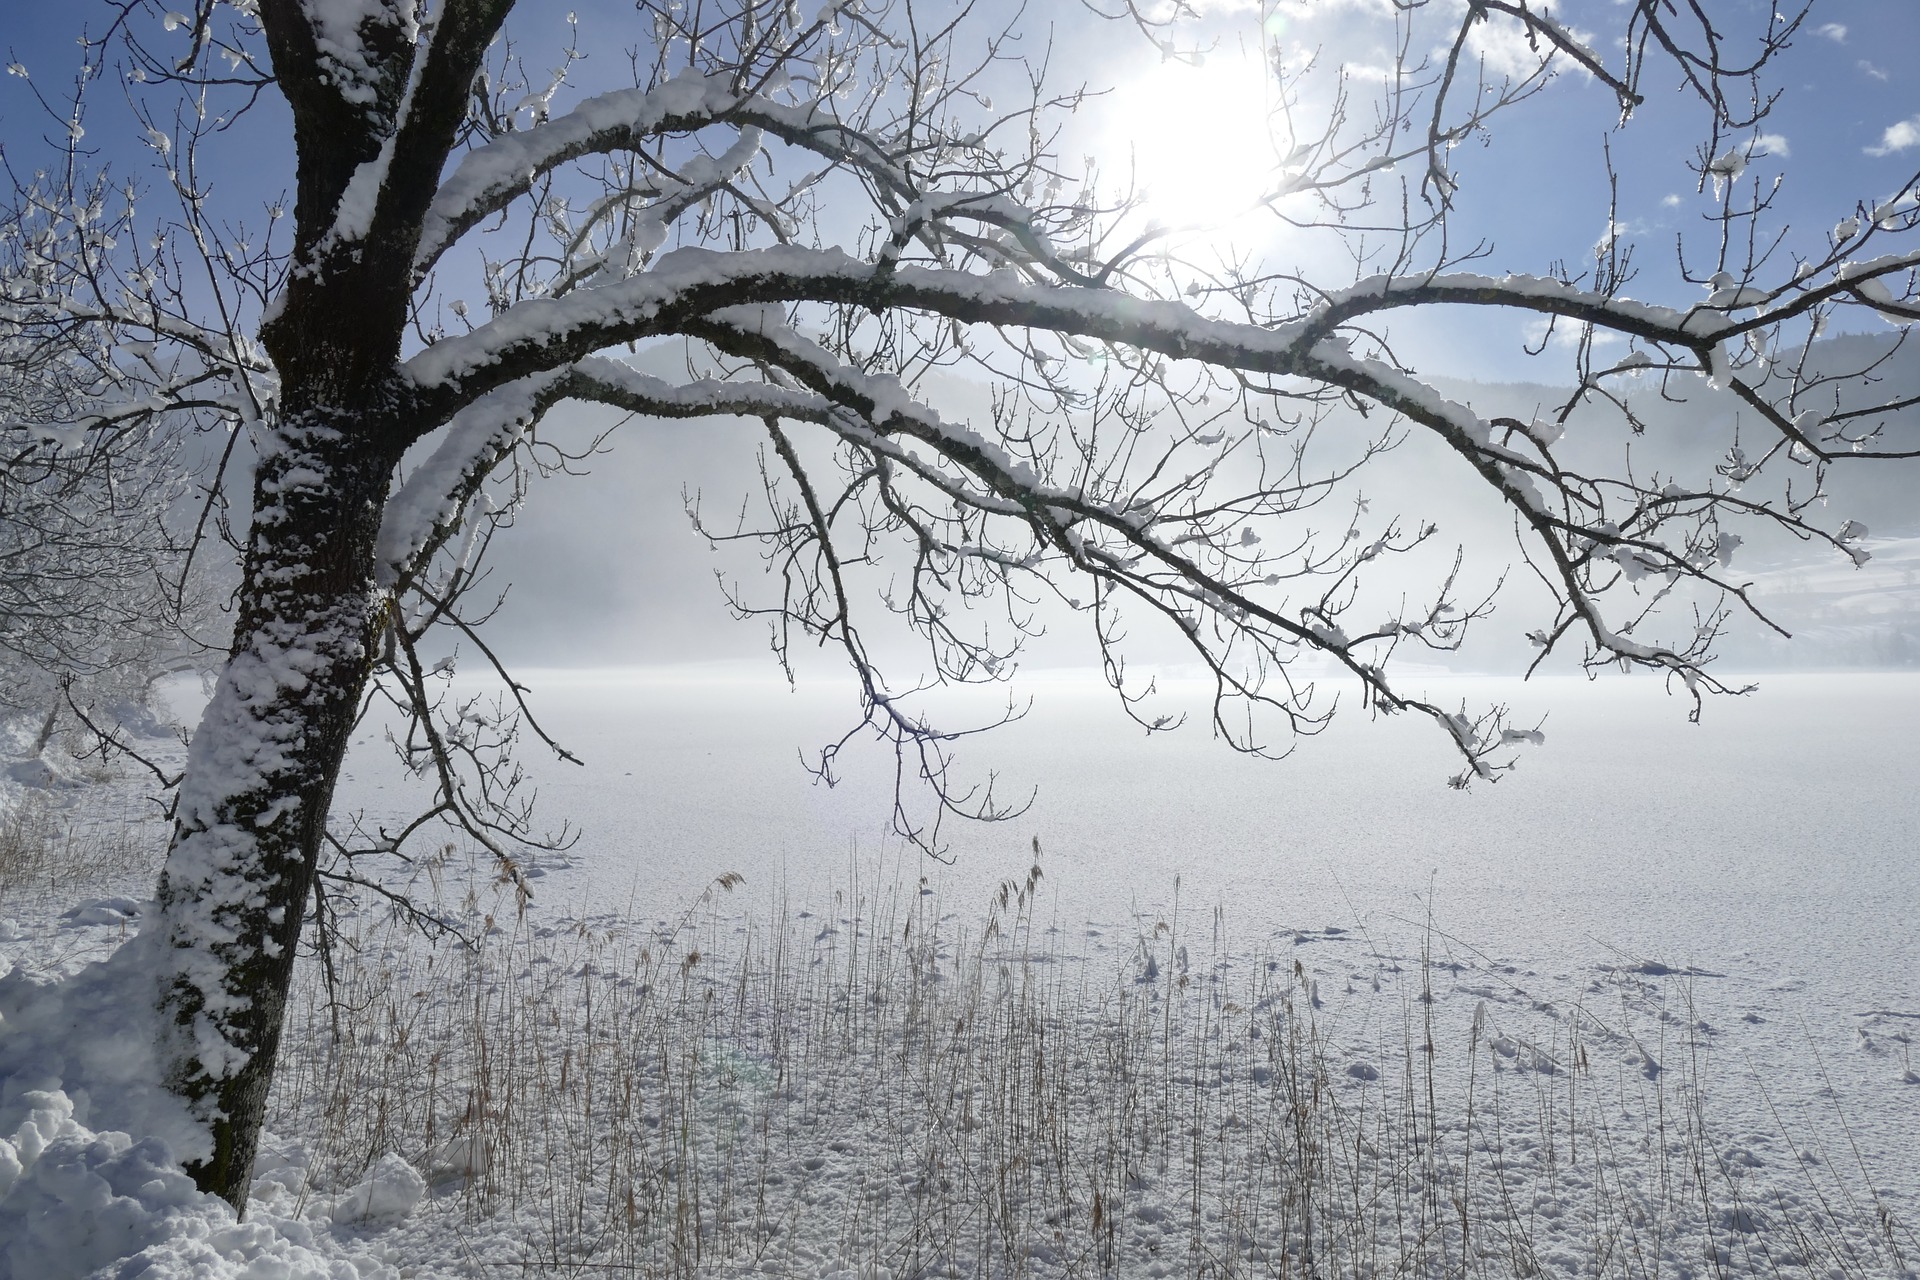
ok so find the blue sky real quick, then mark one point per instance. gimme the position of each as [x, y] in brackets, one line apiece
[1846, 129]
[1840, 92]
[1536, 191]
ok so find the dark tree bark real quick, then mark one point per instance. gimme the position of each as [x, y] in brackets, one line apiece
[260, 779]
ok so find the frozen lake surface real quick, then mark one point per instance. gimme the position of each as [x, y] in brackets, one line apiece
[1783, 830]
[1773, 850]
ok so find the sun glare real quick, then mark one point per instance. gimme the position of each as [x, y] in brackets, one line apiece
[1199, 141]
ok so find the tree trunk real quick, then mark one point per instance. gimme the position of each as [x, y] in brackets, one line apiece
[260, 779]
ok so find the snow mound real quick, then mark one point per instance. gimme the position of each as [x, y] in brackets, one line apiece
[42, 774]
[76, 1203]
[81, 1197]
[390, 1191]
[107, 911]
[91, 1037]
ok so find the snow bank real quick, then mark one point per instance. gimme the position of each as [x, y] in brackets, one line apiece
[91, 1038]
[81, 1196]
[75, 1202]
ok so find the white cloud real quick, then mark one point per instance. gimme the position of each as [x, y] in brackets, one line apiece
[1872, 70]
[1368, 73]
[1506, 50]
[1672, 202]
[1565, 334]
[1898, 137]
[1834, 32]
[1770, 144]
[1615, 232]
[1338, 11]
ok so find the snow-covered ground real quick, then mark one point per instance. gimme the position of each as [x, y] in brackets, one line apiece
[1644, 1008]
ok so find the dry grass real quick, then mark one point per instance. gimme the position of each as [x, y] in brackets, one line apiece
[939, 1097]
[39, 850]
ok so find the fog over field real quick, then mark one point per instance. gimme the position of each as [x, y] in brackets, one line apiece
[605, 568]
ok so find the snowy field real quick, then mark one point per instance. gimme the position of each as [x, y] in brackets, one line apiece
[1643, 1008]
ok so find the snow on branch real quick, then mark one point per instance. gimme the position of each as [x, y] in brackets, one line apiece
[428, 504]
[1695, 326]
[493, 175]
[692, 282]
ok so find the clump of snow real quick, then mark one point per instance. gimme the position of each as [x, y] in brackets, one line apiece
[391, 1189]
[91, 1181]
[339, 28]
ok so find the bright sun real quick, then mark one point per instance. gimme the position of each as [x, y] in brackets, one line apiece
[1200, 141]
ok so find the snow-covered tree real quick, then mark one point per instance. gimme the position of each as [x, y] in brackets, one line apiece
[93, 570]
[830, 209]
